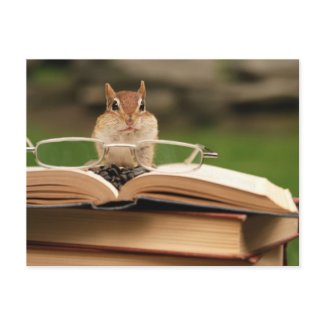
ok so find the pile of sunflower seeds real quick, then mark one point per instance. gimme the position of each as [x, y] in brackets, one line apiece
[118, 176]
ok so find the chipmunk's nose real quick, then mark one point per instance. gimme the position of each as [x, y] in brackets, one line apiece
[129, 121]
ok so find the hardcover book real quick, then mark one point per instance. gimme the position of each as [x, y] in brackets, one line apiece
[179, 233]
[46, 255]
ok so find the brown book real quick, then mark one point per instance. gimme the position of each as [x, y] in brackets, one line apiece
[70, 256]
[208, 186]
[199, 234]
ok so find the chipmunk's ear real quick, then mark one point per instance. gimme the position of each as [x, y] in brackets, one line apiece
[109, 93]
[142, 89]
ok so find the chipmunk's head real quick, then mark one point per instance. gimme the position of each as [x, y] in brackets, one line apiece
[128, 108]
[126, 120]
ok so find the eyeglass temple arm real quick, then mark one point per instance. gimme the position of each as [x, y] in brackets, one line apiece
[191, 157]
[206, 154]
[31, 147]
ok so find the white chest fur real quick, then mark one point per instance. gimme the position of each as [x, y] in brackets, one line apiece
[125, 156]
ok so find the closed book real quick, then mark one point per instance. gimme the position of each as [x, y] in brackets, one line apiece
[44, 255]
[196, 234]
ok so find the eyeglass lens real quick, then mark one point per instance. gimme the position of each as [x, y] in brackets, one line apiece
[169, 157]
[67, 153]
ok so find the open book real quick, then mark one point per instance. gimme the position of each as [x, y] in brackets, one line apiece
[209, 186]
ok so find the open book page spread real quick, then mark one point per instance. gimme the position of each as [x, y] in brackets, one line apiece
[81, 184]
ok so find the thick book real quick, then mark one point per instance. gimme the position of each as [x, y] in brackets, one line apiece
[196, 234]
[45, 255]
[208, 186]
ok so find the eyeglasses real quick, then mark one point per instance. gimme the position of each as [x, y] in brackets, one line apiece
[79, 152]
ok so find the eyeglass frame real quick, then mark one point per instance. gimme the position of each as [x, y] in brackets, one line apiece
[205, 152]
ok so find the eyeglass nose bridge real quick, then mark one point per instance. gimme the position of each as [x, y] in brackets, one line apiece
[107, 146]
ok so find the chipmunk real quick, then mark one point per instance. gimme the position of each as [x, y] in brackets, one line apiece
[126, 120]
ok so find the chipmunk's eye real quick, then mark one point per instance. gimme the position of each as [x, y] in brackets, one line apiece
[141, 107]
[115, 105]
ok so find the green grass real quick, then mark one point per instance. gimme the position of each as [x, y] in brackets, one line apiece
[274, 156]
[50, 76]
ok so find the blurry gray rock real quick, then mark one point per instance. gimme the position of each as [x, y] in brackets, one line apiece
[286, 69]
[174, 73]
[183, 90]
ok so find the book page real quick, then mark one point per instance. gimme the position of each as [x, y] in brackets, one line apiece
[214, 183]
[87, 182]
[284, 200]
[222, 176]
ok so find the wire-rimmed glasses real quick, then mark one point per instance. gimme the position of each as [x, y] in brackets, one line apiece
[80, 153]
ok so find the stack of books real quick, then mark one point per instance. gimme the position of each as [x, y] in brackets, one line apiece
[212, 216]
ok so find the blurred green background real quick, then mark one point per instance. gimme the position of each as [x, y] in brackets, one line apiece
[247, 110]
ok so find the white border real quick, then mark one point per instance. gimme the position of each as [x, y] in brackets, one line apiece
[169, 29]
